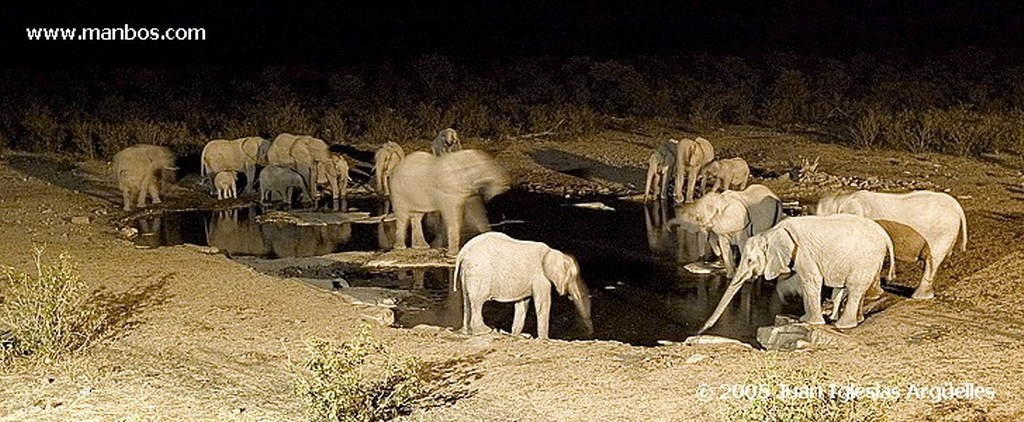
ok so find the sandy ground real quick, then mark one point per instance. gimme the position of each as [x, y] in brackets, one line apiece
[200, 337]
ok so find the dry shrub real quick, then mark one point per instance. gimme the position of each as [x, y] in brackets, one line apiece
[358, 380]
[41, 126]
[705, 113]
[48, 314]
[388, 125]
[867, 127]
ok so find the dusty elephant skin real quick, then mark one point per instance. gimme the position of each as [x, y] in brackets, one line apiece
[138, 170]
[204, 338]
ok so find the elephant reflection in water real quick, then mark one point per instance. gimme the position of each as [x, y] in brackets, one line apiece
[153, 233]
[289, 241]
[227, 232]
[672, 237]
[385, 229]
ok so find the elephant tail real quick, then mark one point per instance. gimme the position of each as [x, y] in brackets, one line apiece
[456, 274]
[892, 259]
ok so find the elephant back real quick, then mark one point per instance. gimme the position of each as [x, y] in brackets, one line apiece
[473, 170]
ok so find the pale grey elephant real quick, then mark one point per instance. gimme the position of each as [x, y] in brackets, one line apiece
[936, 216]
[281, 183]
[446, 142]
[225, 183]
[336, 168]
[733, 217]
[494, 266]
[660, 167]
[839, 251]
[384, 163]
[423, 184]
[726, 174]
[139, 172]
[306, 155]
[691, 156]
[241, 155]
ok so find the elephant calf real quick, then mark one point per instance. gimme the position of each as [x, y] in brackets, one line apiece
[139, 170]
[726, 173]
[494, 266]
[282, 182]
[447, 142]
[225, 183]
[660, 167]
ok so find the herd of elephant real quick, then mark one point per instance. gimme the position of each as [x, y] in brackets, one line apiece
[844, 245]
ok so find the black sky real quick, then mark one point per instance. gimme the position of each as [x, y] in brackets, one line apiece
[348, 31]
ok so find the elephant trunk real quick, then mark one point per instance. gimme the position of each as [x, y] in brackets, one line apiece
[580, 297]
[734, 286]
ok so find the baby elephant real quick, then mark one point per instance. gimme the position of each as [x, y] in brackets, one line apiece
[494, 266]
[726, 173]
[225, 183]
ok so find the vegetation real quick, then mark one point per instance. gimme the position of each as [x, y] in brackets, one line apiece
[45, 315]
[966, 102]
[358, 380]
[803, 394]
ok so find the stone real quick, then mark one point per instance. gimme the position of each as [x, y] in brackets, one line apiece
[81, 220]
[694, 359]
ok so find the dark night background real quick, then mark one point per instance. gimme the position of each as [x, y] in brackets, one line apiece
[333, 32]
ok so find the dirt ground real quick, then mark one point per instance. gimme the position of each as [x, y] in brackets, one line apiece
[201, 337]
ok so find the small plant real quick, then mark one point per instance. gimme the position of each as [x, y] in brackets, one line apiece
[358, 380]
[803, 394]
[48, 314]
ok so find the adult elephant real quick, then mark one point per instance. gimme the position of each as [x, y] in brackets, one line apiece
[424, 183]
[494, 266]
[306, 155]
[384, 162]
[240, 155]
[734, 216]
[691, 156]
[936, 216]
[660, 165]
[839, 251]
[139, 172]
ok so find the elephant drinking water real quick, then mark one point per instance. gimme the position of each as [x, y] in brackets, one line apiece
[494, 266]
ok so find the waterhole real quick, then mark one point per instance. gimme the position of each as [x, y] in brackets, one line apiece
[641, 292]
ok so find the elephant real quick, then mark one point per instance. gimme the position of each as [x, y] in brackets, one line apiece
[225, 183]
[726, 173]
[424, 183]
[139, 172]
[691, 156]
[733, 217]
[306, 155]
[241, 155]
[384, 163]
[446, 142]
[494, 266]
[937, 217]
[839, 251]
[660, 166]
[336, 168]
[282, 182]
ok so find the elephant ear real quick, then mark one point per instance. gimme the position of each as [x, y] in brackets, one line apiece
[781, 250]
[560, 269]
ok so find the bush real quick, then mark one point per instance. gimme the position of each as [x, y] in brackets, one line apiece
[358, 380]
[48, 314]
[814, 407]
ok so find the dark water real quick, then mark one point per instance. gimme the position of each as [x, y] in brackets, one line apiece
[640, 291]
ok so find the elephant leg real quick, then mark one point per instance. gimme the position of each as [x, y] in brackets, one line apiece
[691, 184]
[924, 290]
[126, 196]
[851, 312]
[467, 312]
[542, 304]
[649, 186]
[401, 229]
[140, 200]
[476, 322]
[837, 300]
[453, 226]
[812, 300]
[678, 189]
[663, 183]
[718, 185]
[418, 240]
[519, 320]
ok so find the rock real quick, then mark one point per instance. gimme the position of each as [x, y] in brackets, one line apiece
[81, 220]
[697, 358]
[425, 328]
[789, 334]
[128, 233]
[701, 339]
[380, 315]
